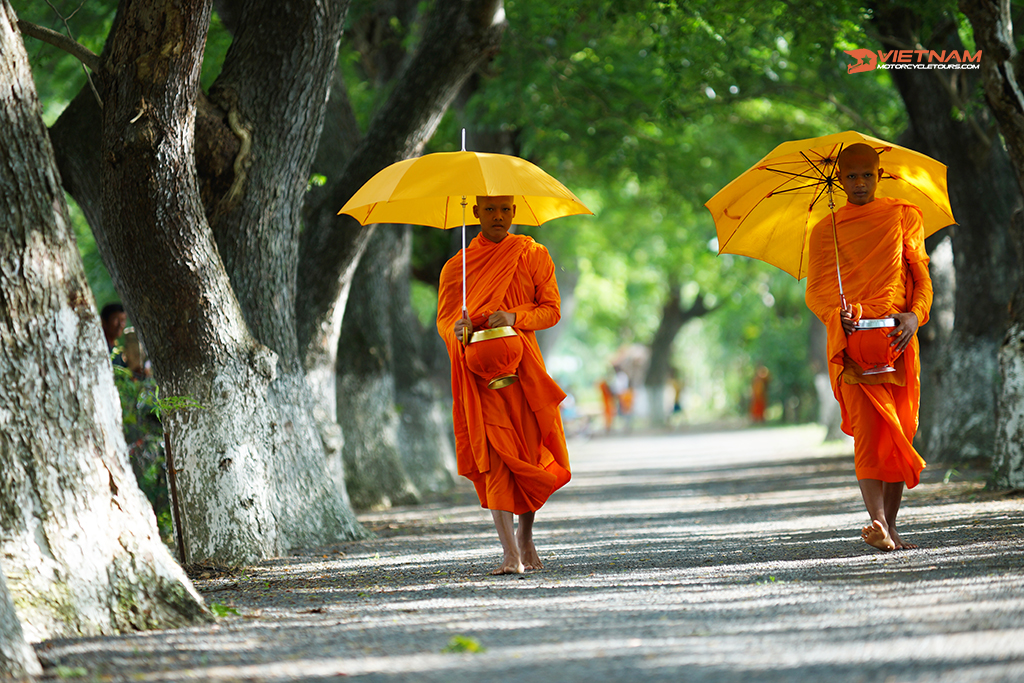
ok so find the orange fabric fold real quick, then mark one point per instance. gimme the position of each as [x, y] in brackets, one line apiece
[884, 268]
[510, 442]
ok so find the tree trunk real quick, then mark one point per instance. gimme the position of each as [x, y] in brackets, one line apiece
[460, 35]
[277, 419]
[829, 412]
[1001, 69]
[251, 478]
[983, 197]
[935, 338]
[659, 369]
[82, 553]
[275, 81]
[424, 432]
[374, 474]
[17, 659]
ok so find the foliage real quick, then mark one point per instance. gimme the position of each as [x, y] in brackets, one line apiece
[144, 435]
[223, 610]
[646, 110]
[59, 76]
[464, 644]
[142, 409]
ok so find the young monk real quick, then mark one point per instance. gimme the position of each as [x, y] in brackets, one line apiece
[509, 441]
[885, 275]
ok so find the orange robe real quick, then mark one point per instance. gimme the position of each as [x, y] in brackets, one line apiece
[509, 442]
[885, 270]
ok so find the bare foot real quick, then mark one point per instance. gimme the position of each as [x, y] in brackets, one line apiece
[877, 535]
[531, 560]
[900, 543]
[510, 565]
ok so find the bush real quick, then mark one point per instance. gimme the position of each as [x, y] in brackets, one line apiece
[141, 411]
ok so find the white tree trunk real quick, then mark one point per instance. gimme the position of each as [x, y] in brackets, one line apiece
[1008, 463]
[17, 660]
[374, 472]
[81, 550]
[961, 424]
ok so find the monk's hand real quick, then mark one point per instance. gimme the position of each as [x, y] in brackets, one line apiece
[463, 324]
[906, 327]
[501, 319]
[846, 318]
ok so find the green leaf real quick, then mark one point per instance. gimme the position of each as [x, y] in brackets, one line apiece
[464, 644]
[222, 610]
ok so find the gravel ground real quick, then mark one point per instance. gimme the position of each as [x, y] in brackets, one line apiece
[731, 556]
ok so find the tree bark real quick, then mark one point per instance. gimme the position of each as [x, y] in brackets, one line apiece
[659, 368]
[82, 554]
[374, 474]
[424, 432]
[1001, 69]
[460, 36]
[275, 83]
[829, 412]
[252, 480]
[235, 190]
[983, 197]
[17, 659]
[936, 337]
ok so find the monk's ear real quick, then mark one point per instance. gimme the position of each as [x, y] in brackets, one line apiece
[476, 210]
[878, 173]
[513, 211]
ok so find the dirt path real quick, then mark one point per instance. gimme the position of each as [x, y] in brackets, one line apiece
[713, 557]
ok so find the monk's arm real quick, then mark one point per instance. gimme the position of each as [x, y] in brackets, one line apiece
[545, 310]
[449, 305]
[917, 259]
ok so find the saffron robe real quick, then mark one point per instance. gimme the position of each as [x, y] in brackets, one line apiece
[509, 442]
[884, 268]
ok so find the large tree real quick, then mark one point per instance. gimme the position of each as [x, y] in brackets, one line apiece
[81, 550]
[944, 124]
[1002, 72]
[238, 293]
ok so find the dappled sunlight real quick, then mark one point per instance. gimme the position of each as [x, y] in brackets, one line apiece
[733, 561]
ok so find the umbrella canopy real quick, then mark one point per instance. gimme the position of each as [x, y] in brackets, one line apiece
[430, 190]
[767, 212]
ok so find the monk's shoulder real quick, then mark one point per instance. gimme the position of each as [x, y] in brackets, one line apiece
[533, 247]
[451, 266]
[898, 206]
[822, 229]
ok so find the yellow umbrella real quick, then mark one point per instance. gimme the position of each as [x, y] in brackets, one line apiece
[435, 189]
[767, 212]
[430, 190]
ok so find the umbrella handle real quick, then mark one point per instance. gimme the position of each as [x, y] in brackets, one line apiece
[835, 243]
[465, 330]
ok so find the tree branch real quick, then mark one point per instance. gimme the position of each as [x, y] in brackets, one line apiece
[62, 42]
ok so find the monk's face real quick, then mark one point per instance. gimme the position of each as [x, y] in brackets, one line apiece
[495, 214]
[859, 177]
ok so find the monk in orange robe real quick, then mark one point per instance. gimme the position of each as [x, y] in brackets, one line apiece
[884, 270]
[509, 441]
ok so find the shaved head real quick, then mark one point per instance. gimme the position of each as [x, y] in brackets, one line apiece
[859, 173]
[858, 152]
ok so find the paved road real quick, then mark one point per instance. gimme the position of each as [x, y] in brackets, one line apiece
[731, 556]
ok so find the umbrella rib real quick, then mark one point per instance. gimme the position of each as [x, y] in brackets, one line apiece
[721, 247]
[827, 159]
[797, 189]
[793, 174]
[824, 186]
